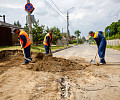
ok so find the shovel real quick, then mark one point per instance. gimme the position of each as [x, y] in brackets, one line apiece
[24, 53]
[50, 50]
[94, 60]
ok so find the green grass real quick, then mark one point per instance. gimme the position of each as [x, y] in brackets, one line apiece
[34, 48]
[9, 47]
[114, 47]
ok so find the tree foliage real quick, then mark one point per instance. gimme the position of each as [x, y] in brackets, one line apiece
[17, 24]
[114, 30]
[77, 33]
[39, 32]
[56, 34]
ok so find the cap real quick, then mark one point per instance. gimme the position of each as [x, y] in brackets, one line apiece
[90, 32]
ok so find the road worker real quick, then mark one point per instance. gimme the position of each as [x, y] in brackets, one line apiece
[47, 41]
[25, 44]
[101, 44]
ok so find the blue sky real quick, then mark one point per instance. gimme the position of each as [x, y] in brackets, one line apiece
[84, 15]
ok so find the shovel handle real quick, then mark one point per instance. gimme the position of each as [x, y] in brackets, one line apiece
[96, 54]
[50, 49]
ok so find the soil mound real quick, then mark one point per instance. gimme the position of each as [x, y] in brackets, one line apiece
[53, 64]
[10, 53]
[40, 62]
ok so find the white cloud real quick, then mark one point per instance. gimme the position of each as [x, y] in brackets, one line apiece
[87, 14]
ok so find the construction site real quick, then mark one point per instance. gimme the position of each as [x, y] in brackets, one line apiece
[60, 50]
[56, 78]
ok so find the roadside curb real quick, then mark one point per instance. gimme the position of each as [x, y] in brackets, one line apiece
[57, 50]
[61, 49]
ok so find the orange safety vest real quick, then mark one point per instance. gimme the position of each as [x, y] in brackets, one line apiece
[45, 40]
[27, 38]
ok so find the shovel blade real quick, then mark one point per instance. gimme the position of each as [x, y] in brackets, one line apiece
[93, 61]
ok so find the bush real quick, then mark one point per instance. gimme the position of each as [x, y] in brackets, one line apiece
[73, 41]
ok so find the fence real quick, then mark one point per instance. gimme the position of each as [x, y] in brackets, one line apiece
[115, 42]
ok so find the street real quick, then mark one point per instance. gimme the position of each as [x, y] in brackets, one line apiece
[88, 52]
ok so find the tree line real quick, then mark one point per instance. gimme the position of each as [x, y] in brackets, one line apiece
[114, 30]
[39, 32]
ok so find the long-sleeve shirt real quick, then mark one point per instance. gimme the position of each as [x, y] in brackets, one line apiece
[24, 40]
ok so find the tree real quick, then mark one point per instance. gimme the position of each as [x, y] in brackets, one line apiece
[17, 24]
[56, 34]
[114, 30]
[77, 33]
[83, 39]
[37, 32]
[26, 28]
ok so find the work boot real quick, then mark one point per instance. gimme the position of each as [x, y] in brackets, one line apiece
[24, 63]
[102, 61]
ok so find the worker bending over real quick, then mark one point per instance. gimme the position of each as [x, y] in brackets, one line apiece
[101, 44]
[25, 44]
[47, 41]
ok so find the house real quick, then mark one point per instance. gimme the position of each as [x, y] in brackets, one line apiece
[7, 38]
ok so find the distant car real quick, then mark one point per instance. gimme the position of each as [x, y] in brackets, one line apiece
[91, 42]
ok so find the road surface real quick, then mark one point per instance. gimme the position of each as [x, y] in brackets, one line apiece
[88, 52]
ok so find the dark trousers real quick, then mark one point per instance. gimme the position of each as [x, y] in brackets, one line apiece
[101, 51]
[46, 49]
[27, 53]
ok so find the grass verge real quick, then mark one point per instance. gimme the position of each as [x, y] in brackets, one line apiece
[114, 47]
[34, 48]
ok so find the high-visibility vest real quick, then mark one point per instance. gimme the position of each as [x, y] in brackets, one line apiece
[45, 40]
[28, 42]
[96, 34]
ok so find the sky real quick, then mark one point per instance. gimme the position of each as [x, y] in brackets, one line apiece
[84, 15]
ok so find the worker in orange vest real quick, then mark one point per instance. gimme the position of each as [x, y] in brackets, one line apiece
[47, 41]
[25, 44]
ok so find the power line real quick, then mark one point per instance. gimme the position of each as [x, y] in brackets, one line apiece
[58, 8]
[47, 3]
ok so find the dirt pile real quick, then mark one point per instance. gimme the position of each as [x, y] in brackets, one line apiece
[7, 54]
[14, 58]
[53, 64]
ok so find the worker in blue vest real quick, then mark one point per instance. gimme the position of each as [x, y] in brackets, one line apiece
[25, 44]
[47, 41]
[101, 44]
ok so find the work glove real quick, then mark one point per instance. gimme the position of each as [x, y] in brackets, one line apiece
[22, 47]
[18, 39]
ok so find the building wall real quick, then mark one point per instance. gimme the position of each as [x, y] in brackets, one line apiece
[5, 36]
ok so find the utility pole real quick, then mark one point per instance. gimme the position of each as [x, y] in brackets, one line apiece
[62, 31]
[30, 25]
[67, 27]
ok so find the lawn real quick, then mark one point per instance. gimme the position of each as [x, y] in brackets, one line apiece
[114, 47]
[34, 48]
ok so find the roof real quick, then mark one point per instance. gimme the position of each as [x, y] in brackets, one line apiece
[2, 24]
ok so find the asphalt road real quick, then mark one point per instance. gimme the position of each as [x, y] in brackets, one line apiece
[88, 52]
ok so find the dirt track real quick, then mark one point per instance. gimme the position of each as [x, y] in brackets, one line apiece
[51, 78]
